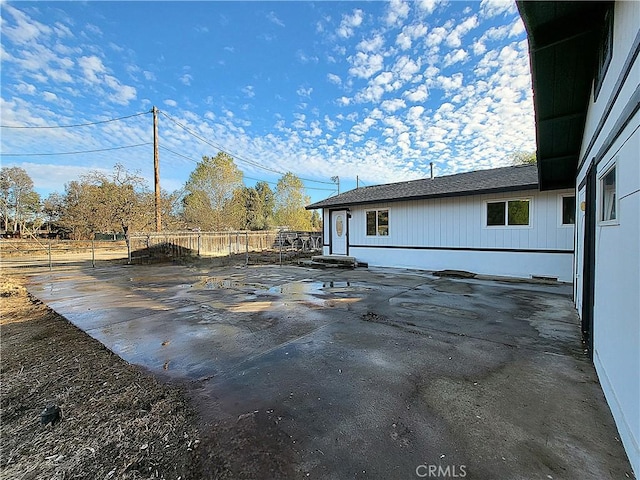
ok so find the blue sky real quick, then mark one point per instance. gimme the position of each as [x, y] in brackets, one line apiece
[374, 90]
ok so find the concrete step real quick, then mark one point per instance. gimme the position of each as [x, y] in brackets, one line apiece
[336, 261]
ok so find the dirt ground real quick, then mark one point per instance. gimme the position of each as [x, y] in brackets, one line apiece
[118, 421]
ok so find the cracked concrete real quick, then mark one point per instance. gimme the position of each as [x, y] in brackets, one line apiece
[360, 373]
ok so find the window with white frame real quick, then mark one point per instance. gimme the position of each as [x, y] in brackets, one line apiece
[568, 209]
[605, 52]
[509, 213]
[609, 196]
[377, 222]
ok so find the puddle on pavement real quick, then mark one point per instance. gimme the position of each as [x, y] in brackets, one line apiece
[297, 288]
[438, 309]
[311, 288]
[220, 283]
[449, 286]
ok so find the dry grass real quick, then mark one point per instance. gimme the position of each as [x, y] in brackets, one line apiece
[118, 422]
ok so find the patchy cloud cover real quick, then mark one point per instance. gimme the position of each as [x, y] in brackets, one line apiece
[375, 90]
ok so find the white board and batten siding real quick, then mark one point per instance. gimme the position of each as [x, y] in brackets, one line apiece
[451, 233]
[612, 140]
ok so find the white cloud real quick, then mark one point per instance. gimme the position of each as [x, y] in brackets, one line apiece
[123, 94]
[436, 36]
[304, 58]
[393, 105]
[333, 78]
[410, 33]
[62, 30]
[350, 22]
[478, 48]
[365, 65]
[452, 83]
[25, 88]
[186, 79]
[454, 39]
[49, 96]
[115, 47]
[170, 103]
[93, 30]
[26, 29]
[517, 28]
[331, 125]
[405, 68]
[492, 8]
[419, 94]
[249, 91]
[374, 44]
[454, 57]
[397, 11]
[149, 76]
[273, 18]
[372, 93]
[60, 76]
[403, 41]
[427, 6]
[304, 92]
[51, 177]
[415, 113]
[91, 67]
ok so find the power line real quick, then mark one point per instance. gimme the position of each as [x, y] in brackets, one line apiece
[77, 124]
[221, 148]
[243, 175]
[72, 153]
[178, 154]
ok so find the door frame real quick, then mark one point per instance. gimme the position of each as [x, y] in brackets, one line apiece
[346, 238]
[589, 258]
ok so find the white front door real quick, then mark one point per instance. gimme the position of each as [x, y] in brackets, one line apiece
[339, 232]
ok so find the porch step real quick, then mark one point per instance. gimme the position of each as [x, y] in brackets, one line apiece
[335, 261]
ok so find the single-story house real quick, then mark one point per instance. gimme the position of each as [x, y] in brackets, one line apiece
[585, 64]
[493, 222]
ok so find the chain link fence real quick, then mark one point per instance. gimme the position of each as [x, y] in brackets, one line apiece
[246, 247]
[254, 247]
[49, 254]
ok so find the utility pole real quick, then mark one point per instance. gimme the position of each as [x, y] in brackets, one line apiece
[156, 169]
[336, 180]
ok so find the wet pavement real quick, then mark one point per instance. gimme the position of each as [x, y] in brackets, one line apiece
[379, 373]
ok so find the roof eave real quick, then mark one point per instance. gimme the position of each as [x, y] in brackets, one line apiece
[563, 41]
[467, 193]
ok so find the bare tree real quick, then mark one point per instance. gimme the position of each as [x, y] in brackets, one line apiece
[108, 203]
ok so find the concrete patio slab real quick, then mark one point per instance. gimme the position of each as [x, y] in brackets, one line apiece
[360, 373]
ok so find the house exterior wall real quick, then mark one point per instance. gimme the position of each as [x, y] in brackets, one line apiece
[612, 138]
[451, 233]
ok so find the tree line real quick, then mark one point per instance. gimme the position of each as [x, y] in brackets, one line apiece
[214, 198]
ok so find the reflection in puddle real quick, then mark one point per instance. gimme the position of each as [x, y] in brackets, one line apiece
[297, 288]
[217, 283]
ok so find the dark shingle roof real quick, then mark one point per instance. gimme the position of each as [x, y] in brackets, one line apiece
[506, 179]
